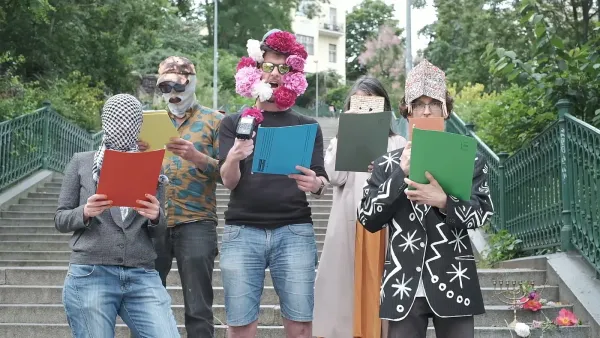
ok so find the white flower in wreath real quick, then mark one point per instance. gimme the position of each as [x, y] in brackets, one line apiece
[522, 330]
[262, 91]
[254, 50]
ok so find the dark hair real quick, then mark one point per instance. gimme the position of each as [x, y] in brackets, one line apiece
[372, 87]
[404, 106]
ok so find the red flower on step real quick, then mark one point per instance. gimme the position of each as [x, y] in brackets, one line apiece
[532, 305]
[566, 318]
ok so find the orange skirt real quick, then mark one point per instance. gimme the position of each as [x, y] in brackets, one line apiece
[369, 258]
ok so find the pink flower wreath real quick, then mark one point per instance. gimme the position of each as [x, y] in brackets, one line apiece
[248, 76]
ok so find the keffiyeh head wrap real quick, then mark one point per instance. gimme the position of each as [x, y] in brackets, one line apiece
[121, 123]
[426, 80]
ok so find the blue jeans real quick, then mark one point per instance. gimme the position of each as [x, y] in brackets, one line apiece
[291, 254]
[93, 296]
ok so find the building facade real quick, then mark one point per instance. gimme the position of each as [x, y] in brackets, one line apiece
[324, 37]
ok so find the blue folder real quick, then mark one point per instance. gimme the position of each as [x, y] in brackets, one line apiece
[279, 150]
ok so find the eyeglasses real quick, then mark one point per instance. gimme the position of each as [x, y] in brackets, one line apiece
[268, 67]
[434, 107]
[167, 87]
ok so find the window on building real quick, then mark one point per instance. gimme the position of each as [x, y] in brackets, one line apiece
[332, 53]
[308, 42]
[332, 16]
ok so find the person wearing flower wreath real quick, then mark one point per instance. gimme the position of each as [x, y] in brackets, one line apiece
[268, 220]
[429, 270]
[191, 236]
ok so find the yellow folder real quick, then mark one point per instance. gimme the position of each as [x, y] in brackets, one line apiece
[157, 129]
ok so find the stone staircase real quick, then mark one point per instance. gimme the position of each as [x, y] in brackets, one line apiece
[34, 260]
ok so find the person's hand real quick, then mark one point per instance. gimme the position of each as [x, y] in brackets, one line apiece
[150, 210]
[184, 149]
[142, 146]
[95, 205]
[241, 149]
[307, 181]
[430, 194]
[370, 167]
[405, 159]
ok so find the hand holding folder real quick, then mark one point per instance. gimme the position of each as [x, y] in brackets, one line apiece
[157, 130]
[450, 158]
[128, 177]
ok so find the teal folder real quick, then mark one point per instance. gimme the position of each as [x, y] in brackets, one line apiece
[279, 150]
[449, 157]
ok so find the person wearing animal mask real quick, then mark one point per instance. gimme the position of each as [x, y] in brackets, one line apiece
[193, 172]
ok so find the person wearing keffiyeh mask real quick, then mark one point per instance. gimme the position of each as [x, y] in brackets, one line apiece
[112, 257]
[191, 236]
[429, 269]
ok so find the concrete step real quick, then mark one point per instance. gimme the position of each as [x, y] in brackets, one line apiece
[496, 316]
[51, 230]
[56, 236]
[39, 221]
[26, 330]
[58, 245]
[55, 276]
[34, 294]
[49, 215]
[10, 294]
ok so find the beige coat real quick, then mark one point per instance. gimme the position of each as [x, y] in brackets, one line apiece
[334, 286]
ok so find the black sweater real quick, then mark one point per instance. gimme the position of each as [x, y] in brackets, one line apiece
[263, 200]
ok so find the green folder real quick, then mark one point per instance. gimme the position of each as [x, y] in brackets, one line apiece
[450, 158]
[362, 138]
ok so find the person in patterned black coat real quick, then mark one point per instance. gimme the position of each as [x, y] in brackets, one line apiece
[429, 269]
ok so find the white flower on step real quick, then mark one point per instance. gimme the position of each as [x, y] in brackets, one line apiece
[522, 330]
[254, 51]
[262, 91]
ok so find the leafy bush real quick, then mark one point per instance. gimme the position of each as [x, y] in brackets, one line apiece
[505, 120]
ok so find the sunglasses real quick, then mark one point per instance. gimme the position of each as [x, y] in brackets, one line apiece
[167, 87]
[268, 67]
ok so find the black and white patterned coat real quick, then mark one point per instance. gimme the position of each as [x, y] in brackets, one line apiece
[423, 241]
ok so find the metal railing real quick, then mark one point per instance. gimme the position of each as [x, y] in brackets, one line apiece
[39, 140]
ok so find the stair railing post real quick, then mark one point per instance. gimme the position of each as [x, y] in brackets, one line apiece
[46, 133]
[470, 129]
[502, 217]
[564, 107]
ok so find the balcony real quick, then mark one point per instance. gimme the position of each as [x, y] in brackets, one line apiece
[332, 30]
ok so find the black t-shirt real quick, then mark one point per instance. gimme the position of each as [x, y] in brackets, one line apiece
[263, 200]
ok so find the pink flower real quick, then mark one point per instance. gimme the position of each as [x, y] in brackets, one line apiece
[566, 318]
[254, 112]
[296, 62]
[284, 97]
[245, 78]
[295, 82]
[283, 42]
[246, 62]
[300, 50]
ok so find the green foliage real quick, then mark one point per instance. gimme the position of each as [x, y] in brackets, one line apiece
[72, 97]
[362, 24]
[502, 246]
[336, 97]
[517, 112]
[327, 80]
[553, 69]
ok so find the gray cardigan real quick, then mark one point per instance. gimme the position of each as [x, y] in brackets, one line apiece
[106, 239]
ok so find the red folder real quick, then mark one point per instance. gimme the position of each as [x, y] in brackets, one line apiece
[425, 123]
[128, 177]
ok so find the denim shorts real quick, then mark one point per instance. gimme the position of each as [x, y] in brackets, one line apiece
[290, 252]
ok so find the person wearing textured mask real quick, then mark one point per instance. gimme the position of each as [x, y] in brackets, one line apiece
[430, 270]
[348, 244]
[111, 269]
[193, 173]
[268, 222]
